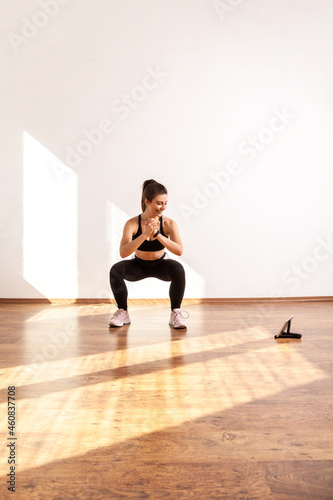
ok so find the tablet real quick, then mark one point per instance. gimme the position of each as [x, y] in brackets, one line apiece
[285, 325]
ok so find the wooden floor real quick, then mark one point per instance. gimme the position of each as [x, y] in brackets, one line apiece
[221, 410]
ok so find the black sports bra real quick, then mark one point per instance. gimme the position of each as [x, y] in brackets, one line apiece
[149, 246]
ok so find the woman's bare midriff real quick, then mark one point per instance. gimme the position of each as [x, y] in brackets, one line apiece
[149, 255]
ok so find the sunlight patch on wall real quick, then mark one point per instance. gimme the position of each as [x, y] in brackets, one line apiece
[49, 222]
[151, 288]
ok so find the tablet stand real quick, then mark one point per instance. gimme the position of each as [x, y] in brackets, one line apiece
[287, 334]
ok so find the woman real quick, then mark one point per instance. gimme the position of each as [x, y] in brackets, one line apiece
[148, 235]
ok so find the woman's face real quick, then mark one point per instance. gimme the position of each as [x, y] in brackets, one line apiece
[158, 205]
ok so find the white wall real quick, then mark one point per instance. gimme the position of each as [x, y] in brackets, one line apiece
[205, 79]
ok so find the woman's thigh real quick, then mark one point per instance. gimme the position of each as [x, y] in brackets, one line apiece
[167, 270]
[128, 270]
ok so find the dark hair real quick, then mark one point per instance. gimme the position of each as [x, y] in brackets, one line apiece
[150, 189]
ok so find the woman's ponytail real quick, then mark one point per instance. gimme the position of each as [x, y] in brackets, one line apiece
[150, 189]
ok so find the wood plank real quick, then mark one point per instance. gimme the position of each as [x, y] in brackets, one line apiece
[221, 410]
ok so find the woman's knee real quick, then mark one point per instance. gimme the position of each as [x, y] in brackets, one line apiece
[116, 270]
[176, 269]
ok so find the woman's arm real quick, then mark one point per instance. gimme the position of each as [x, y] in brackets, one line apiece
[174, 244]
[127, 246]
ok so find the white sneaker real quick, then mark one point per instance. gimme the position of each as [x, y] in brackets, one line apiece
[120, 318]
[177, 319]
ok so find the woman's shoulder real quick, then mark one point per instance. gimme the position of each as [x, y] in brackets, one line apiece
[133, 220]
[167, 220]
[168, 223]
[132, 223]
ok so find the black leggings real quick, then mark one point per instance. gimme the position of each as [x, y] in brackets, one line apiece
[137, 269]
